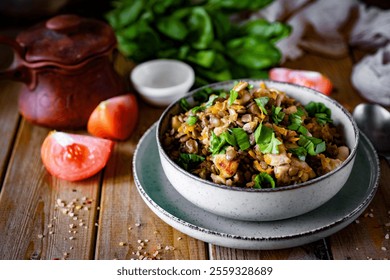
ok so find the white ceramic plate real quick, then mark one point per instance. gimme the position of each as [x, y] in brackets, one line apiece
[179, 213]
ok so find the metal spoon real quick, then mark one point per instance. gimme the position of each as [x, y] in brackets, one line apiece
[374, 121]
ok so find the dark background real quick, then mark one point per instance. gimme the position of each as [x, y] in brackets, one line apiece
[20, 13]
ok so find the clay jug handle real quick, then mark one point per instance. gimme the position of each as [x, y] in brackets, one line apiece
[17, 71]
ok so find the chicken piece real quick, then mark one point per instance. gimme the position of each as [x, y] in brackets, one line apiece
[328, 164]
[225, 167]
[240, 86]
[277, 159]
[281, 174]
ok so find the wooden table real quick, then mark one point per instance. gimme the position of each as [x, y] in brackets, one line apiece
[104, 217]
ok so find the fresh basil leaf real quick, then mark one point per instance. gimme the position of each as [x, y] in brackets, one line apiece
[204, 58]
[253, 53]
[241, 137]
[263, 181]
[233, 96]
[189, 161]
[261, 28]
[237, 5]
[201, 28]
[172, 27]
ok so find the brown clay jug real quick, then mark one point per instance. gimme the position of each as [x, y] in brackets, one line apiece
[66, 68]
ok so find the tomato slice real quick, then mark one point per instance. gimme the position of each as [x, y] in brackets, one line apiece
[114, 118]
[311, 79]
[74, 157]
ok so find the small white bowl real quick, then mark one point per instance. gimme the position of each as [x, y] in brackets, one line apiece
[262, 204]
[162, 81]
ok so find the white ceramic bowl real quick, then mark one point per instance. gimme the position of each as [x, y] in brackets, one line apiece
[263, 204]
[162, 81]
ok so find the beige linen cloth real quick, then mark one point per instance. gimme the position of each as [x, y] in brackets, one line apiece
[329, 28]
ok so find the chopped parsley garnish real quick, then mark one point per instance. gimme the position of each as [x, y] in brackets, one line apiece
[261, 102]
[319, 111]
[264, 180]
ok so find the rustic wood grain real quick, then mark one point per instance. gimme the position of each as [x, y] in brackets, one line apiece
[368, 237]
[9, 118]
[33, 225]
[127, 228]
[314, 251]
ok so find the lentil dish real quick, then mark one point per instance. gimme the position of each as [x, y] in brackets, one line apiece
[254, 137]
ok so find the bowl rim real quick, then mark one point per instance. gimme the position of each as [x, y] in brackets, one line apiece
[189, 78]
[344, 164]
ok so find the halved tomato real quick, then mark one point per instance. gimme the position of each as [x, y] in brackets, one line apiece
[114, 118]
[311, 79]
[74, 157]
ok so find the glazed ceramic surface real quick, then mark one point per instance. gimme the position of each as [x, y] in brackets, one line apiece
[263, 204]
[163, 199]
[162, 81]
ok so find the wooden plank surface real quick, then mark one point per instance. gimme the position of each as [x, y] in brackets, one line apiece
[136, 232]
[9, 121]
[36, 220]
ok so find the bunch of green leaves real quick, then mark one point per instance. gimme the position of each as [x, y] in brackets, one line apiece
[200, 33]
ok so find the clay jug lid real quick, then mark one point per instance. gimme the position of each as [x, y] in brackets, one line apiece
[66, 39]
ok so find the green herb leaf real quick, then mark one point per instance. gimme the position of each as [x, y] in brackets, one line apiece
[242, 138]
[263, 134]
[233, 96]
[300, 152]
[266, 140]
[277, 114]
[312, 145]
[261, 102]
[191, 120]
[264, 180]
[296, 122]
[189, 161]
[320, 112]
[172, 27]
[271, 147]
[184, 104]
[211, 101]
